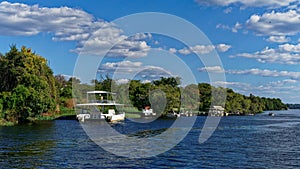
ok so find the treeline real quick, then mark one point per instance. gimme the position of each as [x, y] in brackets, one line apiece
[293, 106]
[240, 104]
[141, 94]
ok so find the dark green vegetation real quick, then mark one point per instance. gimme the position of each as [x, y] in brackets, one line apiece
[141, 94]
[293, 106]
[240, 104]
[29, 91]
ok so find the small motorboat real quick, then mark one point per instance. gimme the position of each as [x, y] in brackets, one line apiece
[271, 114]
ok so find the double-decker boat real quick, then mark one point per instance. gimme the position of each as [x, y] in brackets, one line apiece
[96, 109]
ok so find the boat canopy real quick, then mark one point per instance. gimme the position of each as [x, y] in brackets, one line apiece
[100, 104]
[99, 92]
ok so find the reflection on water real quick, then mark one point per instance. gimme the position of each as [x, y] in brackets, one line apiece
[239, 142]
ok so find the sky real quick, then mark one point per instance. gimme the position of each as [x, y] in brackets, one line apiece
[254, 43]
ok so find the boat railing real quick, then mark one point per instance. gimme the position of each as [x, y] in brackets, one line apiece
[102, 101]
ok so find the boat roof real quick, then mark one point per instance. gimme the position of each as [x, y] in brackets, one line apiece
[217, 108]
[99, 104]
[99, 92]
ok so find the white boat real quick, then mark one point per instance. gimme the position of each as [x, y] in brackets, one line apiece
[216, 111]
[90, 110]
[148, 111]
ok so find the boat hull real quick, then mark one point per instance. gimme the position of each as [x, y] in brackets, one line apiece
[106, 117]
[116, 117]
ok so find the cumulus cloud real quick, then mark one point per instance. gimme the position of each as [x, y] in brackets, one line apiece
[286, 89]
[136, 69]
[66, 23]
[284, 54]
[225, 83]
[222, 47]
[212, 69]
[275, 23]
[69, 24]
[290, 48]
[172, 50]
[267, 73]
[101, 41]
[222, 26]
[248, 3]
[276, 89]
[233, 29]
[122, 81]
[124, 66]
[202, 49]
[278, 39]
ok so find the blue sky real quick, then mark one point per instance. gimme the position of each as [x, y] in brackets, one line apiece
[257, 41]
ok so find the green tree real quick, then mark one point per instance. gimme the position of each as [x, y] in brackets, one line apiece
[27, 85]
[205, 96]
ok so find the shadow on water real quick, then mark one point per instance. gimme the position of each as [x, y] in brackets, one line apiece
[23, 142]
[147, 133]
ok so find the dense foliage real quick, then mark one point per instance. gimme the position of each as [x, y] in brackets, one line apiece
[240, 104]
[140, 95]
[27, 85]
[293, 106]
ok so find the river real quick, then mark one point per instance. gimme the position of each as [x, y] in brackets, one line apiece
[259, 141]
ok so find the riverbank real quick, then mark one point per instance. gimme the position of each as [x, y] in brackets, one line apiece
[6, 123]
[65, 113]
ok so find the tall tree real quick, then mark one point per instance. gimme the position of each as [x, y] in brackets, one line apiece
[27, 85]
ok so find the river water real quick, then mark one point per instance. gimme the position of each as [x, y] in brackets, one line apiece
[259, 141]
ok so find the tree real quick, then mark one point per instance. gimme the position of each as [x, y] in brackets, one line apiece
[27, 85]
[205, 96]
[174, 82]
[190, 97]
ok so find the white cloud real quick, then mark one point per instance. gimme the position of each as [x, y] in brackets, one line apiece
[222, 47]
[64, 22]
[222, 83]
[275, 23]
[128, 68]
[287, 89]
[204, 49]
[233, 29]
[122, 81]
[236, 27]
[278, 39]
[290, 48]
[122, 48]
[185, 51]
[223, 26]
[248, 3]
[212, 69]
[267, 73]
[228, 10]
[68, 24]
[141, 36]
[172, 50]
[124, 67]
[284, 54]
[146, 81]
